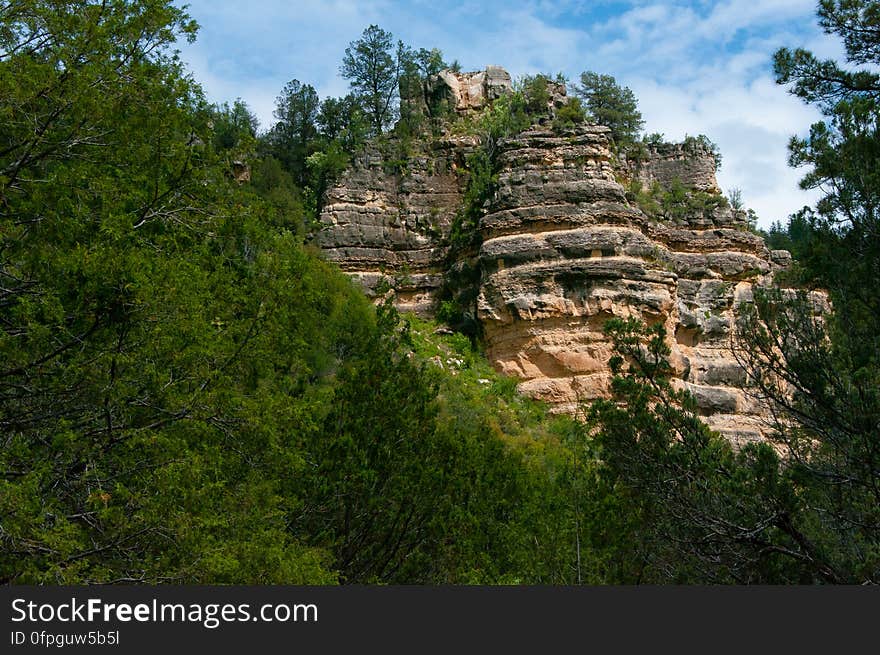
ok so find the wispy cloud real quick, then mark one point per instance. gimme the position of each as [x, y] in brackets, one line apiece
[696, 67]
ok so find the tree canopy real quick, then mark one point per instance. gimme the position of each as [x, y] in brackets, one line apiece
[189, 394]
[373, 68]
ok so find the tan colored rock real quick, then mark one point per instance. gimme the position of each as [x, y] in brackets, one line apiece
[241, 171]
[693, 164]
[468, 92]
[390, 225]
[562, 252]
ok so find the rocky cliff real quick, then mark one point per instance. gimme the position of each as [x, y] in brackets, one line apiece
[691, 162]
[563, 248]
[391, 223]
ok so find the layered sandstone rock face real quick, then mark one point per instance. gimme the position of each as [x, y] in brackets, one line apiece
[562, 251]
[383, 223]
[692, 163]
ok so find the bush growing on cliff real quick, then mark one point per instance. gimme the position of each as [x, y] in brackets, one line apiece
[570, 114]
[677, 203]
[506, 116]
[537, 96]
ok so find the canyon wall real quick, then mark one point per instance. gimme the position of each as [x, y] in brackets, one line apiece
[382, 223]
[562, 249]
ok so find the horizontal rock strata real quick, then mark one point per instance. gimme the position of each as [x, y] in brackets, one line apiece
[382, 223]
[562, 251]
[693, 164]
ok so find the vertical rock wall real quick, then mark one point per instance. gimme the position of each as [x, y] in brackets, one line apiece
[391, 223]
[692, 164]
[562, 251]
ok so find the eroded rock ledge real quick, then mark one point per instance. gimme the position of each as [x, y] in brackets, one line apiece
[562, 251]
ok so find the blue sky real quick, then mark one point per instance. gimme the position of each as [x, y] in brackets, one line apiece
[696, 67]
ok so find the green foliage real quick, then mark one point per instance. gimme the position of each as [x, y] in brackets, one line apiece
[697, 510]
[794, 237]
[702, 512]
[482, 183]
[640, 151]
[821, 374]
[189, 394]
[612, 105]
[825, 82]
[140, 407]
[324, 167]
[429, 62]
[373, 68]
[836, 244]
[377, 468]
[533, 92]
[235, 127]
[418, 65]
[291, 140]
[570, 114]
[677, 203]
[312, 141]
[823, 384]
[524, 491]
[342, 120]
[536, 95]
[648, 200]
[279, 196]
[505, 117]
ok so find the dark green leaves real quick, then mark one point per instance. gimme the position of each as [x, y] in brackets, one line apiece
[611, 105]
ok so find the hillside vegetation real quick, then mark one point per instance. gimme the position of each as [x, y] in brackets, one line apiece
[190, 394]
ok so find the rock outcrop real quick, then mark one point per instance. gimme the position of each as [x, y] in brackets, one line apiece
[391, 223]
[692, 163]
[562, 250]
[467, 92]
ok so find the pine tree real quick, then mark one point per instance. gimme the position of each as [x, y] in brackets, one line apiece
[611, 105]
